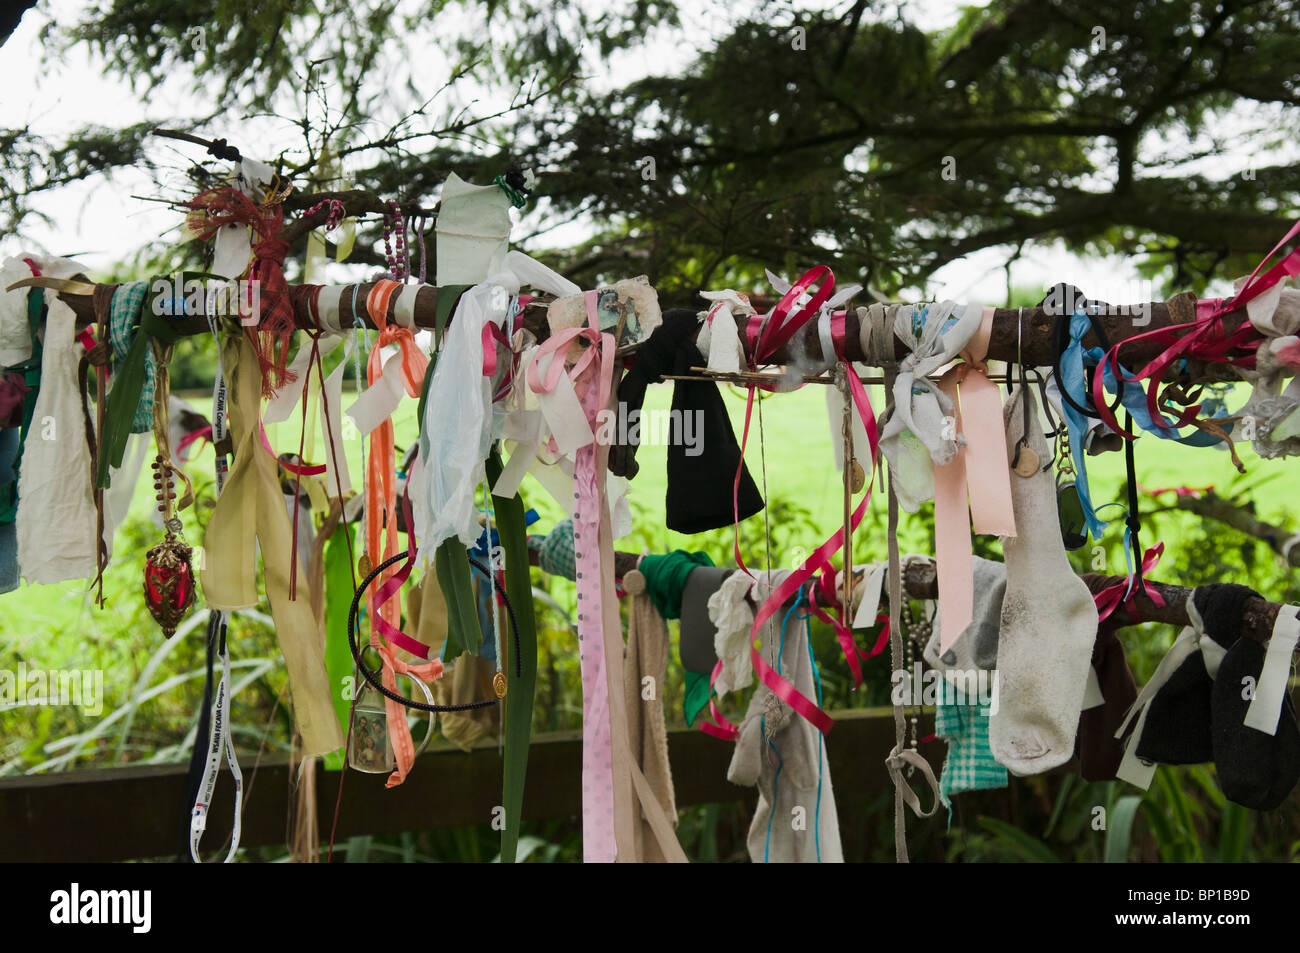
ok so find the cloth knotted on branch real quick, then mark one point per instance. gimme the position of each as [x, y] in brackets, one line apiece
[273, 314]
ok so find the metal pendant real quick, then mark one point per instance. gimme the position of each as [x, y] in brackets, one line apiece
[1069, 509]
[370, 750]
[857, 476]
[1026, 463]
[169, 582]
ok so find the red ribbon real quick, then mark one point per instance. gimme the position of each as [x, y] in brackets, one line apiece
[766, 335]
[1204, 340]
[226, 206]
[1112, 597]
[492, 336]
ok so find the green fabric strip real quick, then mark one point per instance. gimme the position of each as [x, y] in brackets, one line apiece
[521, 689]
[665, 578]
[338, 657]
[131, 378]
[444, 307]
[697, 695]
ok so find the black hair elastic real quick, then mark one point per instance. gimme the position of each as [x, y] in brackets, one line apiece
[370, 675]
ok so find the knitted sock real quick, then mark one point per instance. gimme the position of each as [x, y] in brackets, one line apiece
[977, 646]
[1255, 770]
[1177, 727]
[1048, 623]
[1100, 751]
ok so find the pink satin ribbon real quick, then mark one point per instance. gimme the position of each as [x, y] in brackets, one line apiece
[1121, 593]
[191, 438]
[972, 490]
[766, 334]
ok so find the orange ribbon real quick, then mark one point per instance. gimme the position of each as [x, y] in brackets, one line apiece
[381, 515]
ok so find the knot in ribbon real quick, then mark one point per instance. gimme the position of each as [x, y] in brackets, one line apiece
[898, 759]
[1203, 339]
[273, 324]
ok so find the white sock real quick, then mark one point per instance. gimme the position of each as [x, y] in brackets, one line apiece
[1048, 623]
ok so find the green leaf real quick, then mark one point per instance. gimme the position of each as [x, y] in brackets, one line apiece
[1119, 829]
[1022, 845]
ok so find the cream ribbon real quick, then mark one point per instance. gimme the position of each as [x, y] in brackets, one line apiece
[1266, 706]
[249, 513]
[897, 760]
[1131, 769]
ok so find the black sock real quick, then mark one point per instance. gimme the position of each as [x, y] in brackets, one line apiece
[1255, 769]
[1178, 720]
[702, 471]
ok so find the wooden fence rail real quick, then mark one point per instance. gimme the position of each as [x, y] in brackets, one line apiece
[124, 813]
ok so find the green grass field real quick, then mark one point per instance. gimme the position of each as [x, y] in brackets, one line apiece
[59, 627]
[794, 442]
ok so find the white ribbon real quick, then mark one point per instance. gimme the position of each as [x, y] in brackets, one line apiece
[378, 401]
[920, 407]
[1266, 707]
[724, 350]
[1131, 769]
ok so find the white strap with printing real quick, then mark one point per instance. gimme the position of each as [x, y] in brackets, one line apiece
[219, 738]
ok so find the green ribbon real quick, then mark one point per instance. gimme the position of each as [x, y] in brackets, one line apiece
[338, 657]
[517, 199]
[513, 537]
[451, 563]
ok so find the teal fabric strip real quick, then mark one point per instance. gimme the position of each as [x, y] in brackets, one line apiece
[128, 302]
[970, 765]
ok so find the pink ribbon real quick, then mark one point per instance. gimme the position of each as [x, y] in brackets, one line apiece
[191, 438]
[1112, 597]
[975, 488]
[766, 334]
[593, 384]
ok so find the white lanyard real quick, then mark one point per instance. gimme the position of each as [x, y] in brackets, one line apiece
[219, 737]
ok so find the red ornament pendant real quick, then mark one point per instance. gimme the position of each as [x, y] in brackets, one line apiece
[169, 583]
